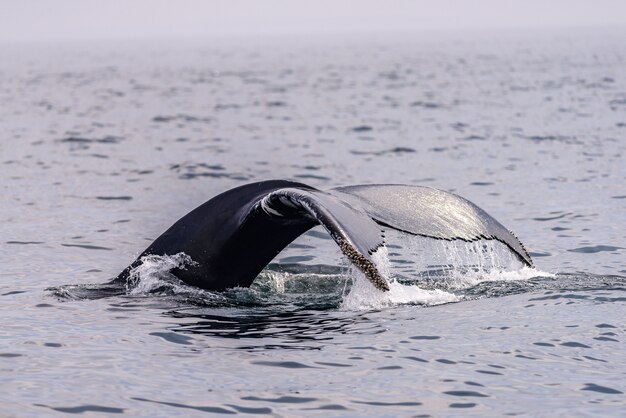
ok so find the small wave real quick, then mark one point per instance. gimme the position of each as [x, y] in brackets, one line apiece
[86, 291]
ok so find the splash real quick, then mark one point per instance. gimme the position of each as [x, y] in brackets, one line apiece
[435, 273]
[455, 264]
[153, 274]
[363, 295]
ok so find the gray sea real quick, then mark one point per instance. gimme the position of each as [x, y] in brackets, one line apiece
[104, 145]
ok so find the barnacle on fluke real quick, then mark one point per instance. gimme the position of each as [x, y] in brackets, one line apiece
[366, 266]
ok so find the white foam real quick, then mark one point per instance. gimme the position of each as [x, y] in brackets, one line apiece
[363, 295]
[525, 273]
[463, 278]
[154, 273]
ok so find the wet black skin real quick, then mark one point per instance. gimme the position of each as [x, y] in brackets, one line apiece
[229, 238]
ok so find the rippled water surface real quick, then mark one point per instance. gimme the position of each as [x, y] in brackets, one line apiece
[104, 146]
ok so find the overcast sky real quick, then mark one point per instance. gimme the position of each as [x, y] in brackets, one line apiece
[51, 20]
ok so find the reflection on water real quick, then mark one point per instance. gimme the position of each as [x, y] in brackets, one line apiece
[301, 330]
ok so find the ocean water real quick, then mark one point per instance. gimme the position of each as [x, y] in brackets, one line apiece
[103, 146]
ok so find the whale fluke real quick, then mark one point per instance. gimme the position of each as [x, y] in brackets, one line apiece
[430, 212]
[234, 235]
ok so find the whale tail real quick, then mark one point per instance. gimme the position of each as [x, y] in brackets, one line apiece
[233, 236]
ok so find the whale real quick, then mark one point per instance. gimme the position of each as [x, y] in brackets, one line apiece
[233, 236]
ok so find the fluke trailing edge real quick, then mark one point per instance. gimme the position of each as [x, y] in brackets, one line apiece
[233, 236]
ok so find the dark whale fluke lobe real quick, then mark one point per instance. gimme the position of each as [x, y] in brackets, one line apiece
[234, 235]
